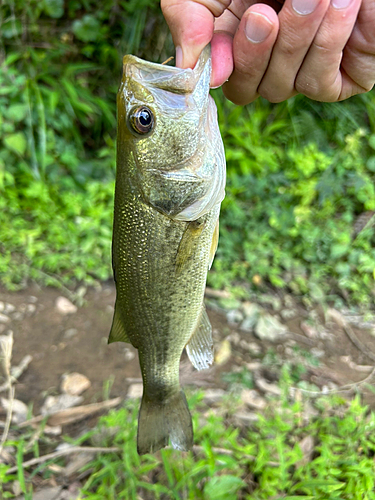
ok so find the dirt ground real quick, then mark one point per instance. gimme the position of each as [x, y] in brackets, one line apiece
[77, 342]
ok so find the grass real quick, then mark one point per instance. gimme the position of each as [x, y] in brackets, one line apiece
[321, 449]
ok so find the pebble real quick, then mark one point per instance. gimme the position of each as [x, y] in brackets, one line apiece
[71, 332]
[19, 409]
[234, 317]
[9, 308]
[252, 399]
[53, 404]
[30, 309]
[135, 391]
[128, 354]
[4, 318]
[288, 313]
[309, 330]
[246, 418]
[223, 353]
[64, 306]
[269, 328]
[18, 316]
[265, 386]
[32, 299]
[213, 395]
[75, 384]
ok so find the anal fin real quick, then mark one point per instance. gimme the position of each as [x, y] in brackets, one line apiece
[200, 348]
[117, 333]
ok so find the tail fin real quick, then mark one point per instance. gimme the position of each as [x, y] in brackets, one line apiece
[160, 420]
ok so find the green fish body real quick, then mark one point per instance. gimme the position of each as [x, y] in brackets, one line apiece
[169, 185]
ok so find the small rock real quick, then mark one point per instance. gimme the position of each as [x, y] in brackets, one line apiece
[269, 328]
[223, 353]
[54, 404]
[71, 332]
[309, 330]
[246, 418]
[135, 391]
[288, 301]
[4, 318]
[32, 299]
[76, 463]
[251, 398]
[64, 306]
[307, 448]
[265, 386]
[213, 395]
[75, 383]
[234, 316]
[251, 310]
[234, 338]
[129, 354]
[9, 308]
[30, 309]
[2, 306]
[288, 313]
[254, 365]
[47, 493]
[55, 430]
[254, 349]
[18, 316]
[19, 410]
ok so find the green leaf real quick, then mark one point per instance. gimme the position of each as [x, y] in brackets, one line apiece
[16, 112]
[16, 143]
[86, 29]
[371, 141]
[54, 8]
[223, 487]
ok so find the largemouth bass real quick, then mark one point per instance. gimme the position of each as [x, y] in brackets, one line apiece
[169, 185]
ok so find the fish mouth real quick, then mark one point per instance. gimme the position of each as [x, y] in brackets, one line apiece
[170, 78]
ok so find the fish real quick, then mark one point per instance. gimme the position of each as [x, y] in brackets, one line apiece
[170, 181]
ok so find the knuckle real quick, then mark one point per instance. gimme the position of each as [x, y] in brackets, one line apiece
[313, 89]
[272, 94]
[217, 7]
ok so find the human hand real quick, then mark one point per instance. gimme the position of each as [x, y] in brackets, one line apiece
[324, 50]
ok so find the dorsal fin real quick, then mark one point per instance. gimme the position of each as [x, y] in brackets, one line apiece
[200, 347]
[117, 333]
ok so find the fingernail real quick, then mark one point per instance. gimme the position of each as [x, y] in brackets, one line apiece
[258, 27]
[179, 57]
[340, 4]
[305, 7]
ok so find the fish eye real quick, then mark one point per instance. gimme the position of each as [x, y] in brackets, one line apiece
[141, 120]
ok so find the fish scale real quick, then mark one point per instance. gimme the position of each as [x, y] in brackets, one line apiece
[169, 185]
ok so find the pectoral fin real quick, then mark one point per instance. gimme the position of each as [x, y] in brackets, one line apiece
[117, 333]
[200, 348]
[215, 240]
[188, 243]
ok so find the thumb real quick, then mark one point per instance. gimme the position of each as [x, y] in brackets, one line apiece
[192, 26]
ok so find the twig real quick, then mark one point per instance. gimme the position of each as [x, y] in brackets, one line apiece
[344, 388]
[217, 294]
[62, 453]
[69, 415]
[6, 346]
[167, 61]
[16, 372]
[359, 345]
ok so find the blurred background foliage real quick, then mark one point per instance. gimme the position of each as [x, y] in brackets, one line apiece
[300, 204]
